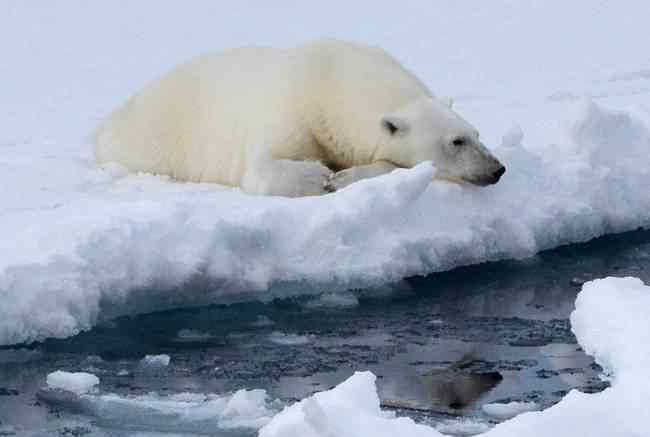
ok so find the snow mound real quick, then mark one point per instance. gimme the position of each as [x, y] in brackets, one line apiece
[78, 382]
[97, 244]
[610, 321]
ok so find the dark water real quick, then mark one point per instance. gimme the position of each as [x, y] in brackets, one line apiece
[441, 345]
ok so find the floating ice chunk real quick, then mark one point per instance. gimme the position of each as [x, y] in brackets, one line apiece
[462, 427]
[509, 410]
[612, 324]
[161, 360]
[76, 382]
[285, 339]
[349, 409]
[246, 409]
[186, 413]
[94, 359]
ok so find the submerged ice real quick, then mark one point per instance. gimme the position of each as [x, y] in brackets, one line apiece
[193, 413]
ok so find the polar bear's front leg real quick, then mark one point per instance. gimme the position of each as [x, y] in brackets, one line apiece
[351, 175]
[285, 177]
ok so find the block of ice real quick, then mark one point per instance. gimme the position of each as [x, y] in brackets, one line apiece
[75, 382]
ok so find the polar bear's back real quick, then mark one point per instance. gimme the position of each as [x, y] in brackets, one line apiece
[192, 123]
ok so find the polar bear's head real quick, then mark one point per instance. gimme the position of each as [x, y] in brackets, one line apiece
[428, 129]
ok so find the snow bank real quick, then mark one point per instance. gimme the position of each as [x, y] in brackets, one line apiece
[99, 244]
[79, 382]
[610, 321]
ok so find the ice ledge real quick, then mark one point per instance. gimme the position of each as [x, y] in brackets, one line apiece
[122, 245]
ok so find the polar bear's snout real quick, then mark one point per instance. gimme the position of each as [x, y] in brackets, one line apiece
[497, 174]
[491, 177]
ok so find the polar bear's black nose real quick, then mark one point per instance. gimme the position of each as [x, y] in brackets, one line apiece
[497, 174]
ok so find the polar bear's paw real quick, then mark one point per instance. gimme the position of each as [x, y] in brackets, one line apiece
[308, 179]
[284, 177]
[343, 178]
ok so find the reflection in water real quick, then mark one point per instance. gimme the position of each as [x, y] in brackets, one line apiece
[448, 390]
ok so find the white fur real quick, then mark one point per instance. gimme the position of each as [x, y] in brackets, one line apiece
[273, 120]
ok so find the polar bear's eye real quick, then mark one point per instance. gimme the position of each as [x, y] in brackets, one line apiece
[458, 141]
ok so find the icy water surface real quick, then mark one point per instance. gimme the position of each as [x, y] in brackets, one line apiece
[441, 346]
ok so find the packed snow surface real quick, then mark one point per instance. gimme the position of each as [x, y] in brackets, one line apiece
[78, 244]
[76, 382]
[610, 321]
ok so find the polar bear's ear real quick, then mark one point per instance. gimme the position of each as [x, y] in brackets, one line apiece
[448, 101]
[394, 125]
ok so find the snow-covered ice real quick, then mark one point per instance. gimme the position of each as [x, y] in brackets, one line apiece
[75, 382]
[610, 321]
[132, 242]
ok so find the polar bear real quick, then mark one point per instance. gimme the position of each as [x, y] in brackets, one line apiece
[294, 122]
